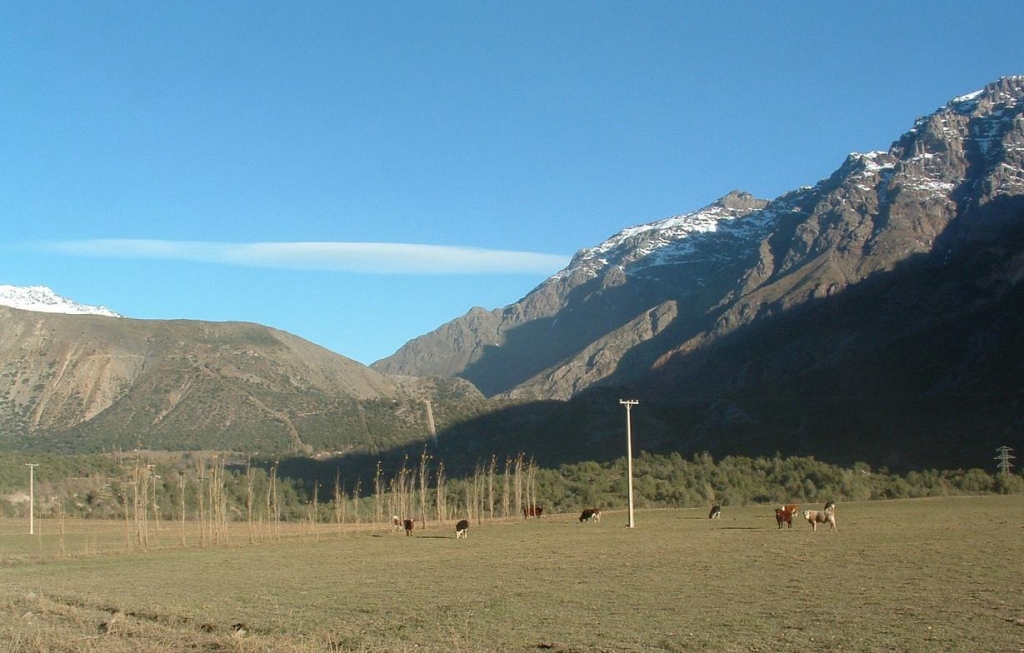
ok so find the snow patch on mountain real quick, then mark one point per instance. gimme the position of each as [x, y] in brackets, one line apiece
[670, 241]
[43, 300]
[741, 221]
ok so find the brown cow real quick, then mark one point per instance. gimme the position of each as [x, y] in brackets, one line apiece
[408, 523]
[785, 514]
[532, 511]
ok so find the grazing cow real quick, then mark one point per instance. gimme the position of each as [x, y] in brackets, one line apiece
[716, 512]
[591, 514]
[532, 511]
[462, 529]
[408, 523]
[826, 516]
[396, 523]
[784, 514]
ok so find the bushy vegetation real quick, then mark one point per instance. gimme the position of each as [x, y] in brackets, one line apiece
[674, 482]
[111, 485]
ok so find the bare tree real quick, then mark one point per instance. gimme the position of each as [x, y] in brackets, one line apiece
[404, 480]
[440, 497]
[154, 477]
[506, 492]
[182, 487]
[490, 488]
[531, 485]
[355, 502]
[201, 499]
[475, 495]
[339, 501]
[218, 513]
[378, 498]
[518, 483]
[273, 503]
[250, 491]
[424, 477]
[314, 511]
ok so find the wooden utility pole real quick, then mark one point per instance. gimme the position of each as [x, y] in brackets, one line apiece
[629, 403]
[31, 497]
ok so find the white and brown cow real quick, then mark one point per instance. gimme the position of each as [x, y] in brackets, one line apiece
[591, 514]
[462, 529]
[826, 516]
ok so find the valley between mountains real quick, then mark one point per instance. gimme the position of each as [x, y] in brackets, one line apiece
[874, 316]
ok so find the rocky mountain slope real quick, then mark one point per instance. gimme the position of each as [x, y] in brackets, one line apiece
[655, 291]
[873, 315]
[85, 382]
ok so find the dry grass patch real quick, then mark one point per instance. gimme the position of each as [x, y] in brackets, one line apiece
[924, 575]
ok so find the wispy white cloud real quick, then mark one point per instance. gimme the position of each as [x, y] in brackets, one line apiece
[369, 258]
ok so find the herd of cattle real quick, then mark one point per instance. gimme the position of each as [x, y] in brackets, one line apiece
[783, 515]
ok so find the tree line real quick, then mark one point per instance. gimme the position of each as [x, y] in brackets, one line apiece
[212, 490]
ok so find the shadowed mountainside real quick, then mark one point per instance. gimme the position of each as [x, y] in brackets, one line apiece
[680, 284]
[871, 315]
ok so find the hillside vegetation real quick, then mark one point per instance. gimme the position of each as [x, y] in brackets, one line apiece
[80, 384]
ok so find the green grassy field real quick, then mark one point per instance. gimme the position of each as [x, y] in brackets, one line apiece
[918, 575]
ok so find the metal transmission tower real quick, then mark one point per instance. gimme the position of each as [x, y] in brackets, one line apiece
[1004, 458]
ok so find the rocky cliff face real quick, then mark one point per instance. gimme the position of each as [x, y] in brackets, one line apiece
[659, 293]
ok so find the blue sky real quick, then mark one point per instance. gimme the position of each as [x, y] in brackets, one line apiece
[361, 173]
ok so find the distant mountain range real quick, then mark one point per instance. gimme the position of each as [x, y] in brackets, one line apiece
[44, 300]
[873, 316]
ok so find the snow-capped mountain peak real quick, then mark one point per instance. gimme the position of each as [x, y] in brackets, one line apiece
[656, 301]
[44, 300]
[666, 241]
[928, 161]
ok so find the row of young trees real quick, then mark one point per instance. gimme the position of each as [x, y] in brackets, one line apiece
[202, 495]
[420, 491]
[199, 499]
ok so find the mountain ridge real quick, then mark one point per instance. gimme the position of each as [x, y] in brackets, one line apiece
[875, 209]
